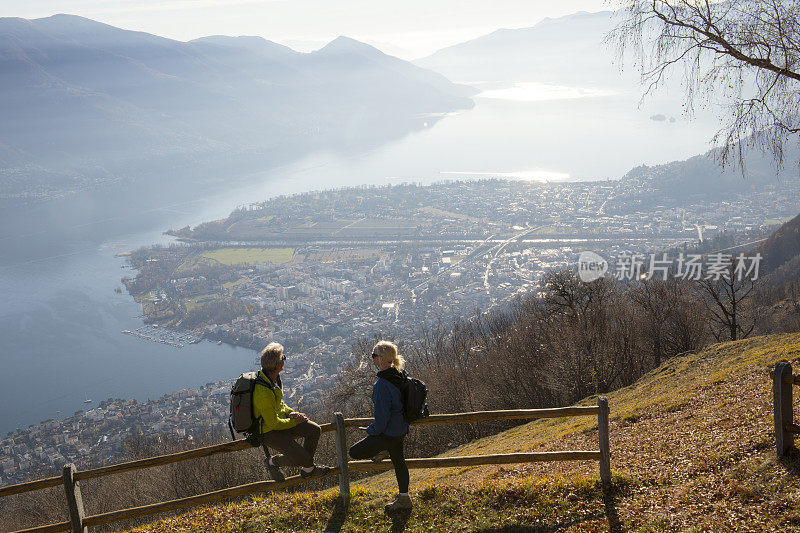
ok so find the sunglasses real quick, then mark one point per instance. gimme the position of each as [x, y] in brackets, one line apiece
[374, 355]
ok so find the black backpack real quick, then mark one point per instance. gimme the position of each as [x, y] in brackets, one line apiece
[241, 418]
[413, 394]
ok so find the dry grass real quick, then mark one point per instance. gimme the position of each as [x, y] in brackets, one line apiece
[692, 449]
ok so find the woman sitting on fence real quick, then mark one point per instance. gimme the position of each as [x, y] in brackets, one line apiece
[387, 431]
[280, 425]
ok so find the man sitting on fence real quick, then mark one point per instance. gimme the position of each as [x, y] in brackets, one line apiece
[279, 425]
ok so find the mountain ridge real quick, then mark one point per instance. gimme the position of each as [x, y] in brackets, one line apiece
[566, 50]
[79, 93]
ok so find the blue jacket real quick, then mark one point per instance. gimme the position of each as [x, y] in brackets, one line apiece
[387, 406]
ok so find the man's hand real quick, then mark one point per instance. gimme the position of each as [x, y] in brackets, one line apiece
[298, 417]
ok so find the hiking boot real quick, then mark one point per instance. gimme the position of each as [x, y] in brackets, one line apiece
[274, 472]
[384, 454]
[400, 503]
[319, 470]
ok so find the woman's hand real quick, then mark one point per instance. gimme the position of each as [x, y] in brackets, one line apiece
[298, 417]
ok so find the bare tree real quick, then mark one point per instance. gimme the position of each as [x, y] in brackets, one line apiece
[651, 299]
[727, 299]
[746, 51]
[580, 317]
[671, 318]
[794, 289]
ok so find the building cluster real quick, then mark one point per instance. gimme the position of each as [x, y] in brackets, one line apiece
[410, 282]
[443, 251]
[99, 436]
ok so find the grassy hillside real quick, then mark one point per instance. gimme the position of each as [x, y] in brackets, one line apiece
[692, 449]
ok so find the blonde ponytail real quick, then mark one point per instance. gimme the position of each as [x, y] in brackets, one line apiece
[386, 348]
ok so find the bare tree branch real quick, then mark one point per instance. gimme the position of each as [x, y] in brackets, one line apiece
[743, 52]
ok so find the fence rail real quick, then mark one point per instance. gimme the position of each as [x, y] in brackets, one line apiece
[79, 522]
[785, 428]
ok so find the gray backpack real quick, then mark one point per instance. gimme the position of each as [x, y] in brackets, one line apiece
[241, 418]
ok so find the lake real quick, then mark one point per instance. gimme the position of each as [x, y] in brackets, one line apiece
[61, 321]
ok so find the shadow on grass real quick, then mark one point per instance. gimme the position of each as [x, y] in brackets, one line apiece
[339, 515]
[399, 519]
[610, 504]
[519, 528]
[341, 509]
[791, 461]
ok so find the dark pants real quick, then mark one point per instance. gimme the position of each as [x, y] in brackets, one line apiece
[292, 453]
[372, 444]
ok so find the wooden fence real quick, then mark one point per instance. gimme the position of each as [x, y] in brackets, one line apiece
[79, 522]
[785, 428]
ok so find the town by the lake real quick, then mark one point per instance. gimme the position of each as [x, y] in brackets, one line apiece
[319, 271]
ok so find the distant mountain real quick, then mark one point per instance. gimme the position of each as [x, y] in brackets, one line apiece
[76, 93]
[701, 178]
[568, 50]
[258, 45]
[355, 54]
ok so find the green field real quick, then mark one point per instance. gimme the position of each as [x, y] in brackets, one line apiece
[232, 284]
[249, 256]
[193, 302]
[775, 221]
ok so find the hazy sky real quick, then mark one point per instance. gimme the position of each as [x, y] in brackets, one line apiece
[408, 28]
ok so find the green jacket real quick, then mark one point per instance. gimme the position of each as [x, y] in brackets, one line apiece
[269, 408]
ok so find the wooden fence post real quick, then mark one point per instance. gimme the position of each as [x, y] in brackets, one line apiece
[605, 447]
[782, 407]
[341, 455]
[74, 499]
